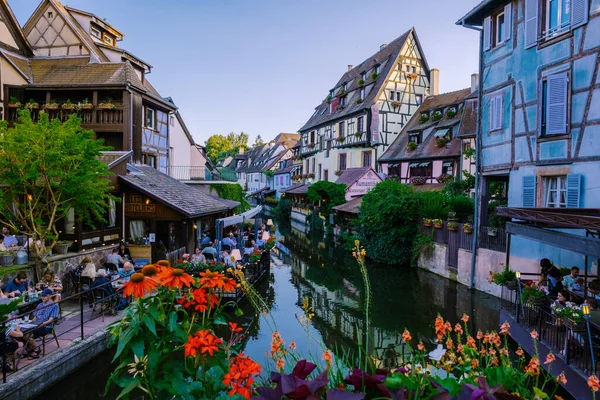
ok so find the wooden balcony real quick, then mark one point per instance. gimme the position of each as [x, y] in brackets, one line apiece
[358, 139]
[93, 116]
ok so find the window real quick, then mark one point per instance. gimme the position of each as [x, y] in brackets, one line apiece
[554, 104]
[313, 166]
[553, 18]
[414, 70]
[398, 96]
[342, 162]
[447, 168]
[50, 14]
[415, 137]
[367, 158]
[421, 169]
[312, 137]
[345, 86]
[362, 94]
[95, 32]
[556, 16]
[108, 40]
[341, 129]
[319, 176]
[377, 69]
[419, 99]
[363, 76]
[408, 68]
[149, 159]
[360, 124]
[326, 175]
[500, 29]
[392, 95]
[149, 118]
[399, 67]
[496, 112]
[497, 27]
[556, 191]
[343, 101]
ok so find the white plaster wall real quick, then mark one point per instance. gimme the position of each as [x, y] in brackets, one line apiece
[6, 36]
[9, 77]
[180, 155]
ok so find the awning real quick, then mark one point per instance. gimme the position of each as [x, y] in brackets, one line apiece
[238, 219]
[414, 133]
[441, 132]
[447, 164]
[413, 165]
[425, 164]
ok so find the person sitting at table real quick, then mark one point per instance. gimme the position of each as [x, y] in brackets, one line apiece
[210, 250]
[577, 287]
[9, 240]
[114, 260]
[198, 256]
[2, 246]
[14, 335]
[570, 279]
[205, 239]
[124, 252]
[228, 241]
[50, 281]
[126, 271]
[227, 260]
[561, 300]
[45, 315]
[17, 286]
[249, 247]
[89, 272]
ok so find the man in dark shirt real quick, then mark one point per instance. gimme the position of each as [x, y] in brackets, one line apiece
[18, 286]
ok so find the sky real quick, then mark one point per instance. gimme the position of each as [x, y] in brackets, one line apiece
[262, 66]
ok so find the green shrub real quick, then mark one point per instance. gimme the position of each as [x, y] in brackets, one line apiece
[463, 206]
[283, 210]
[433, 205]
[388, 222]
[330, 194]
[424, 246]
[496, 221]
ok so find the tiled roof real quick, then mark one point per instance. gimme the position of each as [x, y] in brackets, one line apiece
[350, 207]
[113, 157]
[287, 169]
[172, 193]
[428, 148]
[352, 175]
[263, 158]
[20, 63]
[77, 71]
[384, 58]
[468, 124]
[300, 188]
[230, 204]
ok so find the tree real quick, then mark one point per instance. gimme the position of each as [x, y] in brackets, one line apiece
[388, 222]
[215, 145]
[48, 170]
[329, 194]
[258, 141]
[238, 140]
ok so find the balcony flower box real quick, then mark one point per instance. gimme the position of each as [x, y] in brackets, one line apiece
[339, 107]
[451, 112]
[438, 223]
[14, 103]
[467, 228]
[418, 180]
[423, 118]
[68, 106]
[442, 142]
[32, 105]
[311, 176]
[358, 134]
[106, 106]
[86, 106]
[436, 116]
[51, 106]
[427, 222]
[452, 226]
[341, 139]
[444, 178]
[62, 247]
[311, 145]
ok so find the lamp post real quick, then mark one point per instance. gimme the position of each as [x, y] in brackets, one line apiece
[586, 315]
[518, 299]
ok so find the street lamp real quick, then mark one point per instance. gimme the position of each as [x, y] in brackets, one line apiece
[586, 315]
[518, 299]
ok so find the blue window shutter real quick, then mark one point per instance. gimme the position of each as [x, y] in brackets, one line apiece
[492, 114]
[531, 23]
[529, 190]
[487, 33]
[499, 111]
[556, 104]
[573, 190]
[579, 13]
[508, 20]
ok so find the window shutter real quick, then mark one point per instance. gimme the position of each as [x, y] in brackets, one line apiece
[529, 189]
[499, 111]
[508, 20]
[487, 33]
[579, 13]
[531, 23]
[492, 113]
[556, 104]
[573, 190]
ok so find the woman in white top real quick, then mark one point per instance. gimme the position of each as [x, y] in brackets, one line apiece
[89, 270]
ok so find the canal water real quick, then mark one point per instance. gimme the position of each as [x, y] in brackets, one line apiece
[330, 280]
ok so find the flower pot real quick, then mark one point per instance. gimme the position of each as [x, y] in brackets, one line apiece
[32, 106]
[6, 259]
[106, 106]
[50, 106]
[87, 106]
[14, 105]
[438, 226]
[468, 230]
[453, 228]
[511, 285]
[68, 107]
[62, 248]
[428, 224]
[491, 233]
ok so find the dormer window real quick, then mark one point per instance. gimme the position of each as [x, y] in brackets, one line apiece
[415, 137]
[362, 94]
[377, 69]
[108, 40]
[363, 76]
[344, 87]
[95, 32]
[50, 14]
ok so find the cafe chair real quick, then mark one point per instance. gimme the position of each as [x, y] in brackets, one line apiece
[209, 257]
[226, 247]
[45, 339]
[105, 302]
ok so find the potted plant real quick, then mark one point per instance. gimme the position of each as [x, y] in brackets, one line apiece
[361, 82]
[452, 226]
[339, 107]
[328, 100]
[86, 105]
[418, 180]
[62, 246]
[358, 134]
[13, 102]
[341, 92]
[438, 223]
[32, 105]
[311, 176]
[467, 228]
[442, 142]
[339, 173]
[412, 146]
[534, 294]
[106, 105]
[53, 105]
[570, 314]
[423, 118]
[492, 231]
[359, 100]
[341, 139]
[7, 257]
[374, 75]
[427, 222]
[451, 112]
[67, 105]
[436, 116]
[395, 104]
[506, 278]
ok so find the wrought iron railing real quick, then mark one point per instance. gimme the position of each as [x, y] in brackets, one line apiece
[190, 173]
[492, 239]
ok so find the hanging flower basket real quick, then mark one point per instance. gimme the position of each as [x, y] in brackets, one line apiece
[341, 139]
[452, 226]
[427, 222]
[467, 228]
[14, 105]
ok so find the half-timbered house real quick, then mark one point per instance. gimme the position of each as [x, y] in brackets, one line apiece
[366, 109]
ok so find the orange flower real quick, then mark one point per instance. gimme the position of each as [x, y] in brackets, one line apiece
[138, 285]
[233, 327]
[277, 343]
[594, 383]
[229, 284]
[440, 327]
[212, 279]
[471, 342]
[239, 377]
[534, 335]
[458, 329]
[406, 336]
[549, 359]
[280, 364]
[292, 345]
[327, 357]
[474, 363]
[460, 348]
[465, 318]
[420, 346]
[557, 397]
[504, 328]
[561, 378]
[449, 343]
[479, 335]
[532, 368]
[504, 352]
[519, 352]
[175, 278]
[204, 342]
[149, 270]
[196, 300]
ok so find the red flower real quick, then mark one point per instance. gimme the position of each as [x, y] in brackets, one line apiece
[196, 300]
[138, 285]
[175, 278]
[212, 279]
[234, 327]
[202, 342]
[240, 375]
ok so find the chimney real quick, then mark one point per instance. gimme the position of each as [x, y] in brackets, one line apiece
[350, 66]
[474, 82]
[241, 149]
[382, 46]
[434, 82]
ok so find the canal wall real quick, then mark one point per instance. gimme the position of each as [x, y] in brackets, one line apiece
[487, 261]
[33, 380]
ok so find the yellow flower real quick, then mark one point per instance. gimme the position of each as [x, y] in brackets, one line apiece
[138, 366]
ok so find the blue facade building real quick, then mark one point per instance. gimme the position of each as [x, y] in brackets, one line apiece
[539, 107]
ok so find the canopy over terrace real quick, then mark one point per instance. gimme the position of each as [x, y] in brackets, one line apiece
[237, 220]
[537, 224]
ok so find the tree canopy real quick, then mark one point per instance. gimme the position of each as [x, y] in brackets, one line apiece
[388, 222]
[220, 146]
[258, 141]
[48, 170]
[329, 194]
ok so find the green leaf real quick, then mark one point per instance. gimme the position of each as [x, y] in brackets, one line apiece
[132, 385]
[172, 321]
[137, 346]
[539, 394]
[149, 322]
[216, 373]
[239, 312]
[124, 340]
[219, 319]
